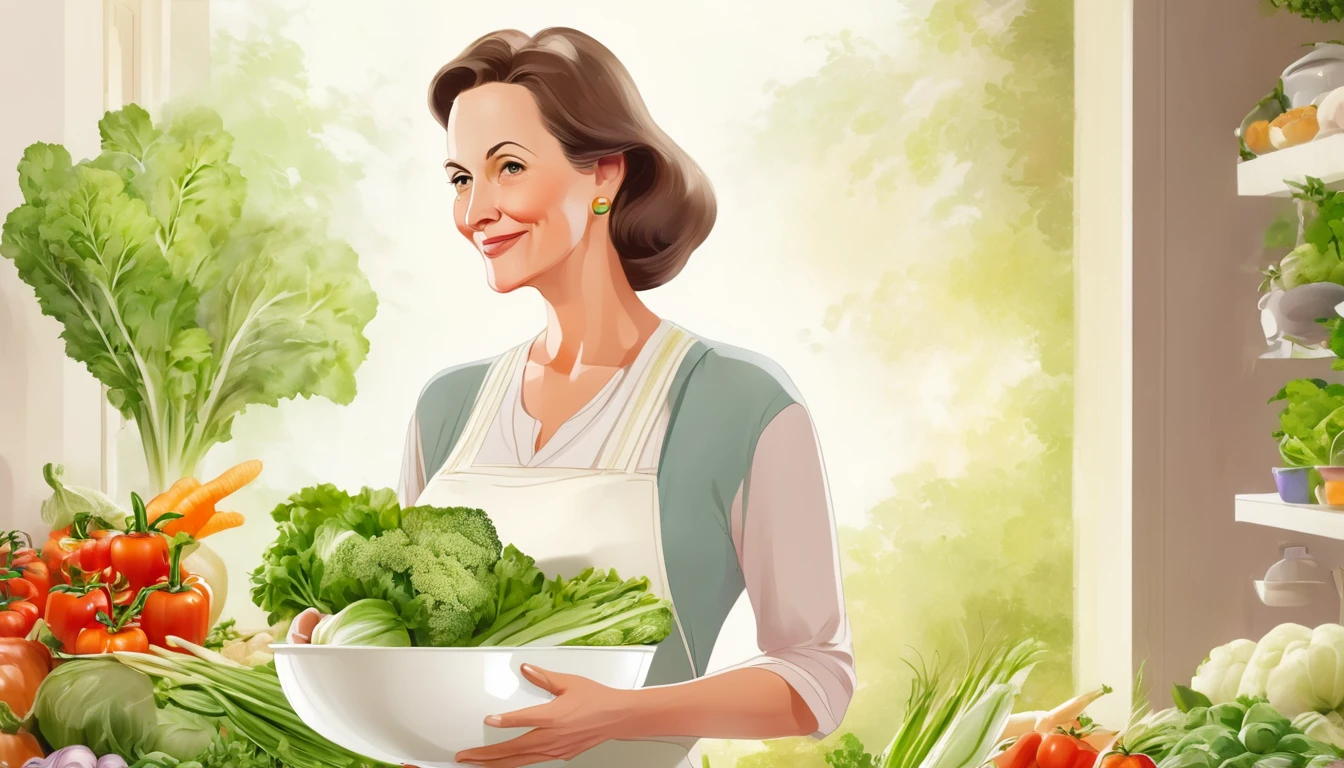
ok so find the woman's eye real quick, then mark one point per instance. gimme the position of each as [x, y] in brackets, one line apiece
[460, 181]
[513, 168]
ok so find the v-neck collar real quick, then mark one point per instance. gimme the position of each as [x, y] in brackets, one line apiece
[525, 428]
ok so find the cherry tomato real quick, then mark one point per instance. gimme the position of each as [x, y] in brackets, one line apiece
[97, 639]
[17, 618]
[1058, 750]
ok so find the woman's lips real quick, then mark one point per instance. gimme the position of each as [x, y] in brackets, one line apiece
[494, 246]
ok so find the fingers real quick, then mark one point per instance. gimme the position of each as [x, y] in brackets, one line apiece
[552, 682]
[510, 762]
[301, 629]
[536, 742]
[539, 716]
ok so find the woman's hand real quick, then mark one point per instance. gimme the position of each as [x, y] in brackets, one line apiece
[582, 715]
[301, 629]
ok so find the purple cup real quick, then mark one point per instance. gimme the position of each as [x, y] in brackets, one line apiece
[1294, 484]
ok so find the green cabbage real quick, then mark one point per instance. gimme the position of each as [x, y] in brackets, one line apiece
[368, 622]
[97, 703]
[181, 734]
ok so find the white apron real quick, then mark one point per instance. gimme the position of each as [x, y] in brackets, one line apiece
[571, 519]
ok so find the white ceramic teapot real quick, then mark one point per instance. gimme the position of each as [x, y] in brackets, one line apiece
[1313, 76]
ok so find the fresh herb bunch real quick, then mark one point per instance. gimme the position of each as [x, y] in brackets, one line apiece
[1315, 10]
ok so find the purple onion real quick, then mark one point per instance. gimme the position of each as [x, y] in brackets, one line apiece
[76, 757]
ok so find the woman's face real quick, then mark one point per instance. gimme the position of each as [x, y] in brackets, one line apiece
[519, 201]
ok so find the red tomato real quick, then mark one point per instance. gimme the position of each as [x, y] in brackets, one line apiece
[1086, 757]
[17, 618]
[1058, 750]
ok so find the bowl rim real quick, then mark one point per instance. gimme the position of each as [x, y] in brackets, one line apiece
[310, 648]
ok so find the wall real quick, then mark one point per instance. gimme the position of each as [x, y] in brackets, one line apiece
[49, 406]
[1201, 425]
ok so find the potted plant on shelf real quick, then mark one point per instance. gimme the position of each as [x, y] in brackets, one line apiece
[188, 304]
[1303, 290]
[1310, 444]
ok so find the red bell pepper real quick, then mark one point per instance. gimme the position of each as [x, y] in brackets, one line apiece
[117, 633]
[181, 608]
[141, 556]
[79, 546]
[73, 607]
[17, 616]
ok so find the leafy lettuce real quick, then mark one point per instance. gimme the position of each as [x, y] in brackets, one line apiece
[1311, 423]
[186, 303]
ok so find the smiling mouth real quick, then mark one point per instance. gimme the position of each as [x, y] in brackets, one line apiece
[494, 246]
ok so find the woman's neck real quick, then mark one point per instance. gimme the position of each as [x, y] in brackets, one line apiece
[594, 318]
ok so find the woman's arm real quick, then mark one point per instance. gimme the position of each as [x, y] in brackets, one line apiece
[802, 682]
[412, 481]
[786, 542]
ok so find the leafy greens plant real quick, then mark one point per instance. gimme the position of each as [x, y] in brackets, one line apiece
[185, 302]
[1315, 10]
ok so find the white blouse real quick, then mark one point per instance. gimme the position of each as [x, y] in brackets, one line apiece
[787, 548]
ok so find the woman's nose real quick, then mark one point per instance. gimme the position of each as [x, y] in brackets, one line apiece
[481, 208]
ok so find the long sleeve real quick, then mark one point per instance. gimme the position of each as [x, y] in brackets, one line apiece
[412, 481]
[786, 544]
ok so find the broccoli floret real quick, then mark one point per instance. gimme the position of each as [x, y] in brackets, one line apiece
[439, 577]
[461, 533]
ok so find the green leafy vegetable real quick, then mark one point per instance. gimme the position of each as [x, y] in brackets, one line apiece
[1187, 699]
[309, 525]
[1315, 10]
[850, 754]
[186, 304]
[180, 734]
[247, 702]
[221, 635]
[368, 622]
[96, 703]
[1326, 728]
[68, 502]
[1309, 431]
[933, 713]
[1310, 675]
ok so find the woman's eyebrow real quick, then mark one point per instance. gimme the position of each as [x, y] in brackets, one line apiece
[450, 164]
[495, 148]
[488, 155]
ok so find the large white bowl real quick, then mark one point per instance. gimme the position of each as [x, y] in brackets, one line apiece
[424, 705]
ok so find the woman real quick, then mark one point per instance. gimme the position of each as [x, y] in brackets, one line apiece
[615, 438]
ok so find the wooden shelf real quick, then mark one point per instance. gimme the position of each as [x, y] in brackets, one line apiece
[1269, 510]
[1264, 176]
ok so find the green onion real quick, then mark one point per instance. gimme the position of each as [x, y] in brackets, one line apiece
[952, 728]
[248, 701]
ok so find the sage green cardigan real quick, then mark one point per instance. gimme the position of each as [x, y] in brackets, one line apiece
[721, 399]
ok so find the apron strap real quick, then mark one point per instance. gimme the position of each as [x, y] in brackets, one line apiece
[634, 427]
[486, 408]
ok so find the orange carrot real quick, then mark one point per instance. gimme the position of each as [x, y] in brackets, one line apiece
[197, 508]
[169, 499]
[220, 521]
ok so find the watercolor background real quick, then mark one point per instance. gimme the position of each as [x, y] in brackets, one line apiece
[895, 229]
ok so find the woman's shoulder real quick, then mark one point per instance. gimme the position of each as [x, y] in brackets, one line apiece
[447, 390]
[727, 372]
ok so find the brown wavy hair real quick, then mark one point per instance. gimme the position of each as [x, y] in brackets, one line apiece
[665, 207]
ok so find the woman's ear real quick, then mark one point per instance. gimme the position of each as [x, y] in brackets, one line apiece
[609, 174]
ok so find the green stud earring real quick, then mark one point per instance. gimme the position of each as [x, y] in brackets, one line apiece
[601, 205]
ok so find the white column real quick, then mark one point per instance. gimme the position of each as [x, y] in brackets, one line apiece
[49, 405]
[1103, 615]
